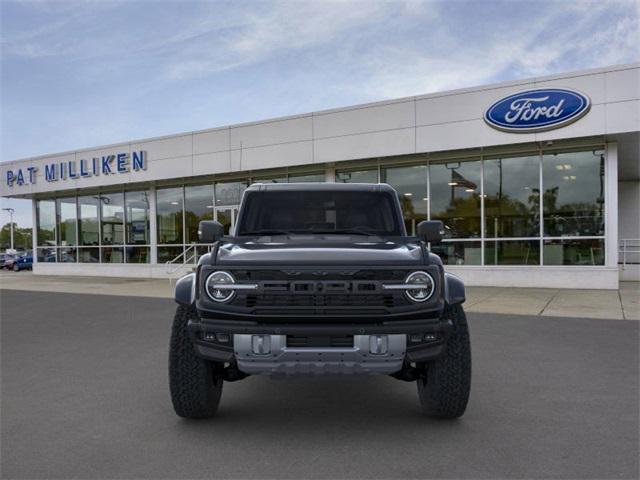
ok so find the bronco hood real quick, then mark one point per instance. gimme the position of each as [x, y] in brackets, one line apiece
[319, 249]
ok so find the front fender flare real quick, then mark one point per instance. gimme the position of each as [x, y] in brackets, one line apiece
[453, 289]
[185, 292]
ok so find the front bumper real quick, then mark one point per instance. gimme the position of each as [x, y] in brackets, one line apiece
[275, 357]
[234, 341]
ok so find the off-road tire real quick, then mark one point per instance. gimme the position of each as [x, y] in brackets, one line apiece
[195, 383]
[444, 389]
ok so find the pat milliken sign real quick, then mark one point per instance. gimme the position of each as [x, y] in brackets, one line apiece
[105, 165]
[537, 110]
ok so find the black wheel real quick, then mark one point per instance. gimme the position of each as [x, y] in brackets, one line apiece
[16, 268]
[444, 390]
[195, 383]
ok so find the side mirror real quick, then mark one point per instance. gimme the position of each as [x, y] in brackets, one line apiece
[431, 231]
[210, 231]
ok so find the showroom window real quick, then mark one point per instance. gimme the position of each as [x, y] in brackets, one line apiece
[512, 210]
[460, 252]
[507, 189]
[512, 197]
[455, 199]
[573, 197]
[411, 185]
[88, 229]
[227, 200]
[67, 223]
[137, 249]
[276, 179]
[573, 207]
[290, 178]
[46, 230]
[106, 228]
[574, 251]
[229, 193]
[307, 177]
[198, 206]
[112, 218]
[563, 226]
[169, 207]
[112, 227]
[357, 176]
[512, 252]
[170, 223]
[46, 222]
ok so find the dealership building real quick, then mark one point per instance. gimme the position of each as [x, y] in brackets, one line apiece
[536, 181]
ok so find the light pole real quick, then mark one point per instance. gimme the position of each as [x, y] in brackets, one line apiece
[11, 212]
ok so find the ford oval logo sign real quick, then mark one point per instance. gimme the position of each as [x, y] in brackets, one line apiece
[537, 110]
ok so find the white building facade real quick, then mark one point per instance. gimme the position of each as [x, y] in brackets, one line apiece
[536, 181]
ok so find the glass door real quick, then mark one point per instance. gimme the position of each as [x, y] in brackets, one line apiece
[227, 217]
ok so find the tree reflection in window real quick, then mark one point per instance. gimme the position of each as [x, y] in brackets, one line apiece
[198, 206]
[411, 184]
[455, 197]
[169, 215]
[512, 197]
[573, 198]
[46, 222]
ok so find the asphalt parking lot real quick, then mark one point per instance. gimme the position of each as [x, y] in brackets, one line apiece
[84, 395]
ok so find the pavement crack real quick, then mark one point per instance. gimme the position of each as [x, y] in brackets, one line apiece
[624, 316]
[547, 304]
[477, 302]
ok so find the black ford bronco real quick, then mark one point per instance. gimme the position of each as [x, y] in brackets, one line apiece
[315, 279]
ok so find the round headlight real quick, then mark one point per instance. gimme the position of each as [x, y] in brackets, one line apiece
[215, 286]
[425, 286]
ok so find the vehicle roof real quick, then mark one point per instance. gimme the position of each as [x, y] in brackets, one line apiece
[332, 187]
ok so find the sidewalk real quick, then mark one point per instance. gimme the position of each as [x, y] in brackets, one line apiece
[623, 304]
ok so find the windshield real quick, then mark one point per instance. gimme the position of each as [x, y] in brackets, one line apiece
[349, 212]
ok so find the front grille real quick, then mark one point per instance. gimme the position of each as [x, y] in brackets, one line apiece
[320, 341]
[318, 292]
[295, 274]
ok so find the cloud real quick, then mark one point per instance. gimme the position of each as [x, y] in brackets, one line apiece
[52, 27]
[547, 44]
[287, 26]
[399, 48]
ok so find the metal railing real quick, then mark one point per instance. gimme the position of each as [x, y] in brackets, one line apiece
[627, 250]
[189, 256]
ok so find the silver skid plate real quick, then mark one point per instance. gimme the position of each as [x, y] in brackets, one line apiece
[269, 354]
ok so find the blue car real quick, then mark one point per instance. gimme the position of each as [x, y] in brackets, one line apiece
[23, 262]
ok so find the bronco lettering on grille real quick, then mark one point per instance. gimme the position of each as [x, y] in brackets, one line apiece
[324, 287]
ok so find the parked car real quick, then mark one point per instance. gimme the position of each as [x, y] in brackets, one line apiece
[23, 262]
[7, 261]
[315, 279]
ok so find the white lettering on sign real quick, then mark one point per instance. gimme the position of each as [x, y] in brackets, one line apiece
[523, 109]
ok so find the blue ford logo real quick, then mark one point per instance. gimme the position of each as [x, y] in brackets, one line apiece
[537, 110]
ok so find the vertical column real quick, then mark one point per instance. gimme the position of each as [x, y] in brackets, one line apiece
[611, 205]
[541, 202]
[153, 226]
[34, 231]
[330, 173]
[483, 230]
[428, 189]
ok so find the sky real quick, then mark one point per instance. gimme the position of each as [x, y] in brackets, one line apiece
[87, 73]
